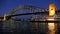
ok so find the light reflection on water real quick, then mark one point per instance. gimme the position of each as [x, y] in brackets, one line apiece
[51, 27]
[26, 26]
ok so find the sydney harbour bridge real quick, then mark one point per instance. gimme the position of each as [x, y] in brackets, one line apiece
[37, 17]
[33, 10]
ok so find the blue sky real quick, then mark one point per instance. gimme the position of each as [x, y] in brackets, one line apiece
[7, 5]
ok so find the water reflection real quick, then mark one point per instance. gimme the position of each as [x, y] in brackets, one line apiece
[37, 27]
[51, 27]
[31, 27]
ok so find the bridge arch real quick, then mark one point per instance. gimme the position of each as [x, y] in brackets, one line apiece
[29, 7]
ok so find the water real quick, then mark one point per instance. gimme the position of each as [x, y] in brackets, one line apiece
[20, 27]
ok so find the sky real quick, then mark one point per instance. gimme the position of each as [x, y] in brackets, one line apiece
[7, 5]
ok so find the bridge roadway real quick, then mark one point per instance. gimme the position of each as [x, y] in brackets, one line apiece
[9, 16]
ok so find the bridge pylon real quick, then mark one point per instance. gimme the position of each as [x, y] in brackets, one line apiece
[5, 17]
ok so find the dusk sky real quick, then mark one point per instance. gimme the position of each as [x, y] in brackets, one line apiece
[7, 5]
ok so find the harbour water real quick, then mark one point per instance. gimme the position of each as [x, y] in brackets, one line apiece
[21, 27]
